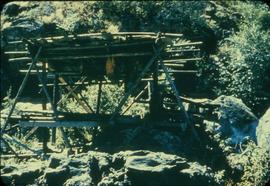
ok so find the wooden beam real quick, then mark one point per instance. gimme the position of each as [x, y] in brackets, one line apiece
[85, 107]
[182, 50]
[17, 142]
[179, 101]
[146, 68]
[101, 56]
[186, 44]
[181, 71]
[173, 65]
[99, 96]
[181, 60]
[19, 59]
[21, 87]
[53, 124]
[97, 46]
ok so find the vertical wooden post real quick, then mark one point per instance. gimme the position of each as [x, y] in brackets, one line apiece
[99, 96]
[55, 101]
[21, 88]
[155, 98]
[44, 79]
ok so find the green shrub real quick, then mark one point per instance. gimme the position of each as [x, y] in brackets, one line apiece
[241, 66]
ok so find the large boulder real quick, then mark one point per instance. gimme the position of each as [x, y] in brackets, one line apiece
[236, 122]
[263, 131]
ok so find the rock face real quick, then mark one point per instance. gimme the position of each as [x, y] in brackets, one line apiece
[263, 131]
[123, 168]
[236, 121]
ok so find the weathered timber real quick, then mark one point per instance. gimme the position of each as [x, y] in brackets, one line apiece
[97, 46]
[77, 85]
[51, 124]
[7, 144]
[23, 59]
[181, 60]
[181, 71]
[19, 59]
[122, 102]
[182, 50]
[102, 56]
[174, 65]
[135, 99]
[186, 44]
[99, 96]
[179, 101]
[17, 142]
[100, 35]
[85, 107]
[22, 87]
[17, 53]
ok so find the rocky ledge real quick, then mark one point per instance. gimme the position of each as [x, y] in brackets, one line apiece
[122, 168]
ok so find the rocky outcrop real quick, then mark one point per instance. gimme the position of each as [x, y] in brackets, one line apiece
[263, 131]
[123, 168]
[236, 122]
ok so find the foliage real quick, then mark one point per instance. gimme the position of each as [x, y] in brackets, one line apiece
[241, 65]
[256, 163]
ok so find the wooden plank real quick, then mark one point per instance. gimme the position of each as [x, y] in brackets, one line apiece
[182, 50]
[174, 65]
[53, 124]
[180, 71]
[186, 44]
[181, 60]
[102, 56]
[97, 46]
[16, 52]
[26, 59]
[19, 59]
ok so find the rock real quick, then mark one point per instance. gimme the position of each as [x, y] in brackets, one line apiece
[56, 176]
[23, 28]
[80, 180]
[54, 161]
[263, 131]
[125, 168]
[8, 169]
[169, 142]
[236, 121]
[157, 168]
[11, 9]
[22, 175]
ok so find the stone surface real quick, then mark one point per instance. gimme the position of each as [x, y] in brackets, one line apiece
[236, 121]
[263, 131]
[123, 168]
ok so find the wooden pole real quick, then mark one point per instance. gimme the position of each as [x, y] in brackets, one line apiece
[135, 99]
[55, 100]
[179, 101]
[44, 78]
[78, 84]
[12, 150]
[99, 96]
[87, 109]
[21, 88]
[122, 102]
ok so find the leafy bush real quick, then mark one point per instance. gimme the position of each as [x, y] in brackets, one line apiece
[256, 163]
[241, 66]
